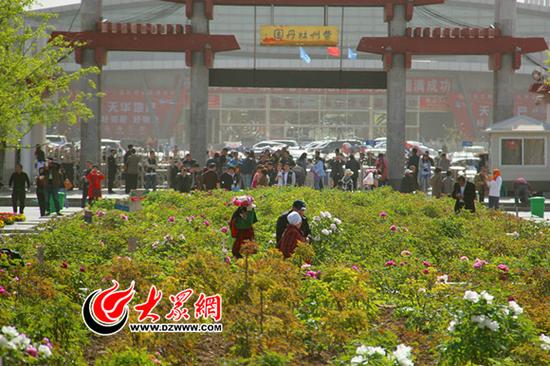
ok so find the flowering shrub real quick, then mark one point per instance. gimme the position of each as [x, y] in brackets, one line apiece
[361, 284]
[369, 355]
[18, 348]
[482, 329]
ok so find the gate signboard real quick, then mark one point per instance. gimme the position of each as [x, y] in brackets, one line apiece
[298, 35]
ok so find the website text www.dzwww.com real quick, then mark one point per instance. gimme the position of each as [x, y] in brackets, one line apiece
[176, 328]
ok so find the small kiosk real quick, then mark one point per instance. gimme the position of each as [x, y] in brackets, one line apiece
[519, 147]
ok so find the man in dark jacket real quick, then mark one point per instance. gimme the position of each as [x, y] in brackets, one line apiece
[53, 182]
[210, 179]
[414, 159]
[337, 169]
[248, 168]
[20, 182]
[282, 222]
[228, 179]
[408, 183]
[465, 195]
[355, 167]
[112, 168]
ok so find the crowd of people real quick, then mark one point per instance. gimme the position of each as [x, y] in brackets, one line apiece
[229, 171]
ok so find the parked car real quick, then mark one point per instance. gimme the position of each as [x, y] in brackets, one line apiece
[267, 145]
[56, 140]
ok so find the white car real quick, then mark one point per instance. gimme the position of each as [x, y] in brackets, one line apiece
[56, 140]
[267, 145]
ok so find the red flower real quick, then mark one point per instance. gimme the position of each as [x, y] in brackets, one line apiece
[64, 264]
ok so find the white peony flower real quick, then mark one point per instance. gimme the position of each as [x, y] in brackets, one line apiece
[471, 296]
[337, 221]
[316, 218]
[362, 350]
[544, 339]
[492, 325]
[10, 331]
[479, 319]
[545, 346]
[402, 354]
[370, 350]
[505, 311]
[357, 360]
[44, 351]
[487, 297]
[4, 343]
[323, 214]
[21, 341]
[515, 307]
[452, 326]
[333, 226]
[325, 232]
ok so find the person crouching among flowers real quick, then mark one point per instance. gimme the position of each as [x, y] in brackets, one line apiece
[242, 222]
[292, 234]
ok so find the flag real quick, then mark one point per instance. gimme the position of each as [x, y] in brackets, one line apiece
[333, 51]
[352, 55]
[304, 56]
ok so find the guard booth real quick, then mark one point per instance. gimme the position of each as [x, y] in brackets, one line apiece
[519, 147]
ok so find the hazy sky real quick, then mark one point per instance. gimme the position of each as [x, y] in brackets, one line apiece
[50, 3]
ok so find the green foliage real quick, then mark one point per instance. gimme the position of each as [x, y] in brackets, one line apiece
[34, 88]
[378, 280]
[127, 357]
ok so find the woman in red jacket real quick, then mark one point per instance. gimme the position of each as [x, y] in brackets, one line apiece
[94, 184]
[292, 234]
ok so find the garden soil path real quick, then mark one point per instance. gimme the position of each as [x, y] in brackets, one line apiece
[33, 220]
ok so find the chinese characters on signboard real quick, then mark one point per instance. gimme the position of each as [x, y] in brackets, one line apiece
[299, 35]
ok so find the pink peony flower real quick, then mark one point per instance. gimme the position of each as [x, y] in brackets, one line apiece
[306, 265]
[426, 264]
[425, 271]
[64, 264]
[479, 263]
[313, 274]
[206, 223]
[511, 298]
[383, 214]
[100, 213]
[355, 268]
[393, 228]
[46, 341]
[405, 253]
[503, 267]
[227, 260]
[171, 219]
[389, 263]
[31, 350]
[224, 229]
[82, 268]
[464, 258]
[16, 278]
[124, 217]
[2, 290]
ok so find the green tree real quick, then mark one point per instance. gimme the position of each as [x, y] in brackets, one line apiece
[34, 87]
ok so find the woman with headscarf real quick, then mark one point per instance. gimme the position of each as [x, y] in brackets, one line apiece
[495, 185]
[292, 234]
[242, 222]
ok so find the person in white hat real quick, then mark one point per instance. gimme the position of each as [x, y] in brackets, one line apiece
[292, 234]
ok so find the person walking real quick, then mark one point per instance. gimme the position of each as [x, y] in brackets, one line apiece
[337, 170]
[20, 183]
[437, 183]
[40, 157]
[354, 165]
[292, 235]
[480, 182]
[444, 163]
[112, 169]
[132, 171]
[151, 172]
[424, 172]
[53, 182]
[41, 191]
[495, 185]
[448, 184]
[464, 193]
[319, 174]
[248, 168]
[382, 168]
[94, 179]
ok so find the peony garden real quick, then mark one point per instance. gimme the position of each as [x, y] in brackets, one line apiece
[387, 279]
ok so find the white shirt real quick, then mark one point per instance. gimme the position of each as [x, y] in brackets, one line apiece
[494, 187]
